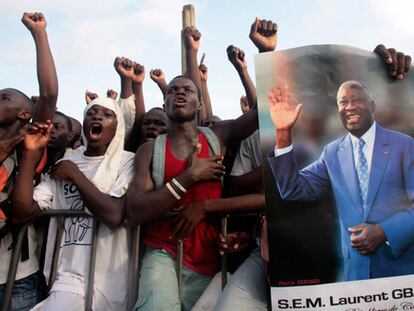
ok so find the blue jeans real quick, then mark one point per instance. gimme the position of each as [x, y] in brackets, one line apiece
[158, 284]
[27, 292]
[247, 288]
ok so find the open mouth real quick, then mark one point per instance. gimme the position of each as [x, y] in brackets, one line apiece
[95, 131]
[180, 102]
[52, 139]
[150, 136]
[51, 142]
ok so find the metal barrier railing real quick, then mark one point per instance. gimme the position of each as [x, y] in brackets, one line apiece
[224, 256]
[224, 269]
[133, 263]
[61, 215]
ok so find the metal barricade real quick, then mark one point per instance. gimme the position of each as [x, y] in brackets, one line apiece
[61, 215]
[224, 263]
[224, 256]
[134, 242]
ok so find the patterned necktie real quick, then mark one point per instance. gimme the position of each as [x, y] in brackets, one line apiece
[362, 172]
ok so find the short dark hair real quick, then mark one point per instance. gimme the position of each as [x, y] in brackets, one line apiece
[27, 98]
[156, 108]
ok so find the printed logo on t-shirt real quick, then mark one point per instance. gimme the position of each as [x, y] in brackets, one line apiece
[77, 229]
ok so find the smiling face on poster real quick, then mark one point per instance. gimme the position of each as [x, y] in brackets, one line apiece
[336, 132]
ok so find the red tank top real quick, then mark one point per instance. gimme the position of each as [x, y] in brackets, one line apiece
[200, 248]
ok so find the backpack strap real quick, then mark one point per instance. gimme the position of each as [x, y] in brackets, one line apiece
[158, 156]
[212, 139]
[158, 160]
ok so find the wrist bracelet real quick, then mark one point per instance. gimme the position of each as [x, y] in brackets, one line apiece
[173, 192]
[178, 185]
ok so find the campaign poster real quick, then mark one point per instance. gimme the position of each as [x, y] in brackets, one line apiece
[340, 220]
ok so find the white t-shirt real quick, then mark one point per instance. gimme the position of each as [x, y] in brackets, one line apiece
[111, 270]
[249, 156]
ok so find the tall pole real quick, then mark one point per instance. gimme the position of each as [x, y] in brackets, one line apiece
[188, 20]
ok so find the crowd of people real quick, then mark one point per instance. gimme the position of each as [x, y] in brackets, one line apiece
[175, 170]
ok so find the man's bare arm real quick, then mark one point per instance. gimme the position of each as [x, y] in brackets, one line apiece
[35, 140]
[235, 130]
[108, 209]
[158, 76]
[193, 213]
[145, 203]
[124, 67]
[206, 109]
[191, 38]
[46, 71]
[137, 78]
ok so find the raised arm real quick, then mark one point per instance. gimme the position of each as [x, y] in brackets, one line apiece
[237, 58]
[230, 131]
[191, 39]
[263, 34]
[46, 71]
[158, 76]
[206, 109]
[124, 67]
[308, 184]
[145, 203]
[137, 78]
[110, 93]
[90, 96]
[35, 140]
[284, 115]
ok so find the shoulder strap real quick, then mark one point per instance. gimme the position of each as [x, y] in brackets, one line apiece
[158, 160]
[158, 156]
[212, 139]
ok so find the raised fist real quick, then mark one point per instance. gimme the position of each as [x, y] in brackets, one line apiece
[236, 56]
[191, 38]
[138, 73]
[157, 76]
[124, 67]
[34, 21]
[90, 96]
[203, 72]
[264, 35]
[111, 94]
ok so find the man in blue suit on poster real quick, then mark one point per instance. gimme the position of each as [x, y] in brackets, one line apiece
[370, 172]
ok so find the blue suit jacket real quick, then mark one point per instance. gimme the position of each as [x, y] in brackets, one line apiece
[390, 200]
